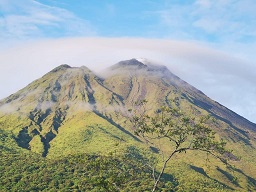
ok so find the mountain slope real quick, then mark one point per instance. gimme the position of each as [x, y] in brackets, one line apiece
[72, 111]
[161, 76]
[48, 106]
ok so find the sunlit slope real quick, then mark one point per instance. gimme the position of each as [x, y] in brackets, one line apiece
[64, 97]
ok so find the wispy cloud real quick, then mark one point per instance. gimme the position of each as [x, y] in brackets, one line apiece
[219, 20]
[31, 19]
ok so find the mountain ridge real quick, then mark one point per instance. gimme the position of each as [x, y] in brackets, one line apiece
[199, 98]
[168, 73]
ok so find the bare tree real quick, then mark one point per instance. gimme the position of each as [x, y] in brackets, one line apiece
[182, 133]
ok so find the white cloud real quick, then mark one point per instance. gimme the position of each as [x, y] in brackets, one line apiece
[204, 3]
[214, 21]
[31, 19]
[225, 77]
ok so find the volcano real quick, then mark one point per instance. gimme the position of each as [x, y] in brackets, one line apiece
[72, 110]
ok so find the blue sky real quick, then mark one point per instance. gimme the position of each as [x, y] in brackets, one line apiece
[202, 20]
[210, 44]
